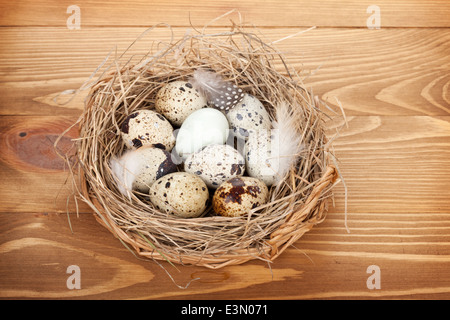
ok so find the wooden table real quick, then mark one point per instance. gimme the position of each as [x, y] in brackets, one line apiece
[393, 83]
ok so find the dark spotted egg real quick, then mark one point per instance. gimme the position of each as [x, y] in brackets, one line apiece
[215, 164]
[147, 128]
[182, 194]
[177, 100]
[156, 163]
[237, 196]
[249, 115]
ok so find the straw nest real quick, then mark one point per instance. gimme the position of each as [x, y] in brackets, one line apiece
[295, 205]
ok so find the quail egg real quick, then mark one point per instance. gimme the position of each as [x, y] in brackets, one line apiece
[201, 128]
[177, 100]
[155, 163]
[147, 127]
[249, 115]
[181, 194]
[261, 157]
[237, 196]
[137, 169]
[215, 164]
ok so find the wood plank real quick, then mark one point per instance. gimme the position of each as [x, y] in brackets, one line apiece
[393, 84]
[357, 66]
[45, 247]
[34, 177]
[395, 164]
[349, 13]
[412, 251]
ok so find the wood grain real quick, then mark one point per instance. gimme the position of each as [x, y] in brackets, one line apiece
[412, 250]
[356, 66]
[395, 164]
[348, 13]
[393, 84]
[35, 178]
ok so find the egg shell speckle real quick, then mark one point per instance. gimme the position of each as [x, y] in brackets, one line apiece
[156, 164]
[237, 196]
[182, 194]
[261, 159]
[147, 127]
[249, 115]
[177, 100]
[215, 164]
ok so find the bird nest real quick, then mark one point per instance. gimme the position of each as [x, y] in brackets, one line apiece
[297, 202]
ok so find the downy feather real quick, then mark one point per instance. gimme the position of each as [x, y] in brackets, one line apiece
[288, 140]
[125, 169]
[208, 83]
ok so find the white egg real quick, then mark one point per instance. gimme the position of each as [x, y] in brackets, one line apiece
[249, 115]
[215, 164]
[147, 128]
[177, 100]
[201, 128]
[180, 193]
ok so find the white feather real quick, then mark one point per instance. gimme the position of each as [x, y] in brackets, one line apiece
[125, 169]
[287, 140]
[207, 82]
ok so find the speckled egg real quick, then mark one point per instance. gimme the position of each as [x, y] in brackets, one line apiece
[201, 128]
[249, 115]
[215, 164]
[177, 100]
[155, 163]
[261, 159]
[180, 193]
[237, 196]
[147, 127]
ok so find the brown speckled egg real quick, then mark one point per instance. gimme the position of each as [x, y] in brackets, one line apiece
[147, 127]
[180, 193]
[155, 163]
[215, 164]
[261, 157]
[177, 100]
[248, 116]
[237, 196]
